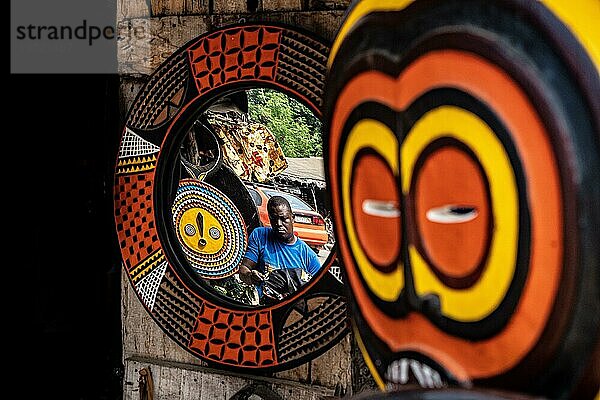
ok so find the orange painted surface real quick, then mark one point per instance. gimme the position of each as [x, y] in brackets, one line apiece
[450, 177]
[311, 235]
[134, 209]
[379, 236]
[472, 74]
[244, 338]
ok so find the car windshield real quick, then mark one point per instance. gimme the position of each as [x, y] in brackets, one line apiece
[295, 202]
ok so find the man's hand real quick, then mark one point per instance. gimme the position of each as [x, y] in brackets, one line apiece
[250, 276]
[256, 277]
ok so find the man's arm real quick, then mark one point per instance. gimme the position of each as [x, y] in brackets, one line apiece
[248, 273]
[314, 265]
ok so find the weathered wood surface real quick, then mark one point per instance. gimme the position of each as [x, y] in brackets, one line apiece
[145, 43]
[129, 89]
[132, 9]
[160, 8]
[142, 337]
[333, 368]
[299, 374]
[173, 381]
[322, 23]
[281, 5]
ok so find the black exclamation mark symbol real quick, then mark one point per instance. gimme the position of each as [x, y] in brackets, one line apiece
[200, 223]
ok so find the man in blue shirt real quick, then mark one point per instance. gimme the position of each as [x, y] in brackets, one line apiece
[277, 260]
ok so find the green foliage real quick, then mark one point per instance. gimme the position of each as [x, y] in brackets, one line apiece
[296, 128]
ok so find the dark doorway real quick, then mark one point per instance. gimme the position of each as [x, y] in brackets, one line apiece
[64, 150]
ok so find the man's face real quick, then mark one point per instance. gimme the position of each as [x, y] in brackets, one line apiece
[282, 222]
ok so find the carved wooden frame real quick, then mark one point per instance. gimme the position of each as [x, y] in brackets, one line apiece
[216, 331]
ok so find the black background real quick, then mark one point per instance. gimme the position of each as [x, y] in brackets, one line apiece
[59, 155]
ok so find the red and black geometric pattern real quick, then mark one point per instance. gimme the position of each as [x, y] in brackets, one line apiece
[238, 338]
[134, 218]
[248, 53]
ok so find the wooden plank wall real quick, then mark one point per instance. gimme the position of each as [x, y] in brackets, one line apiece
[147, 36]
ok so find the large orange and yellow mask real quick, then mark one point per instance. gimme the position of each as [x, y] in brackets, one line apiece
[464, 169]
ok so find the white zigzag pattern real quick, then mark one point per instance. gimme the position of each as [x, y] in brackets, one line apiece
[336, 272]
[133, 145]
[148, 285]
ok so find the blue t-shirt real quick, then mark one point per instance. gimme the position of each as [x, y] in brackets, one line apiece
[269, 253]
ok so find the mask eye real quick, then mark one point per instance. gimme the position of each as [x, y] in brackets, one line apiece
[452, 214]
[464, 213]
[376, 210]
[451, 210]
[371, 203]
